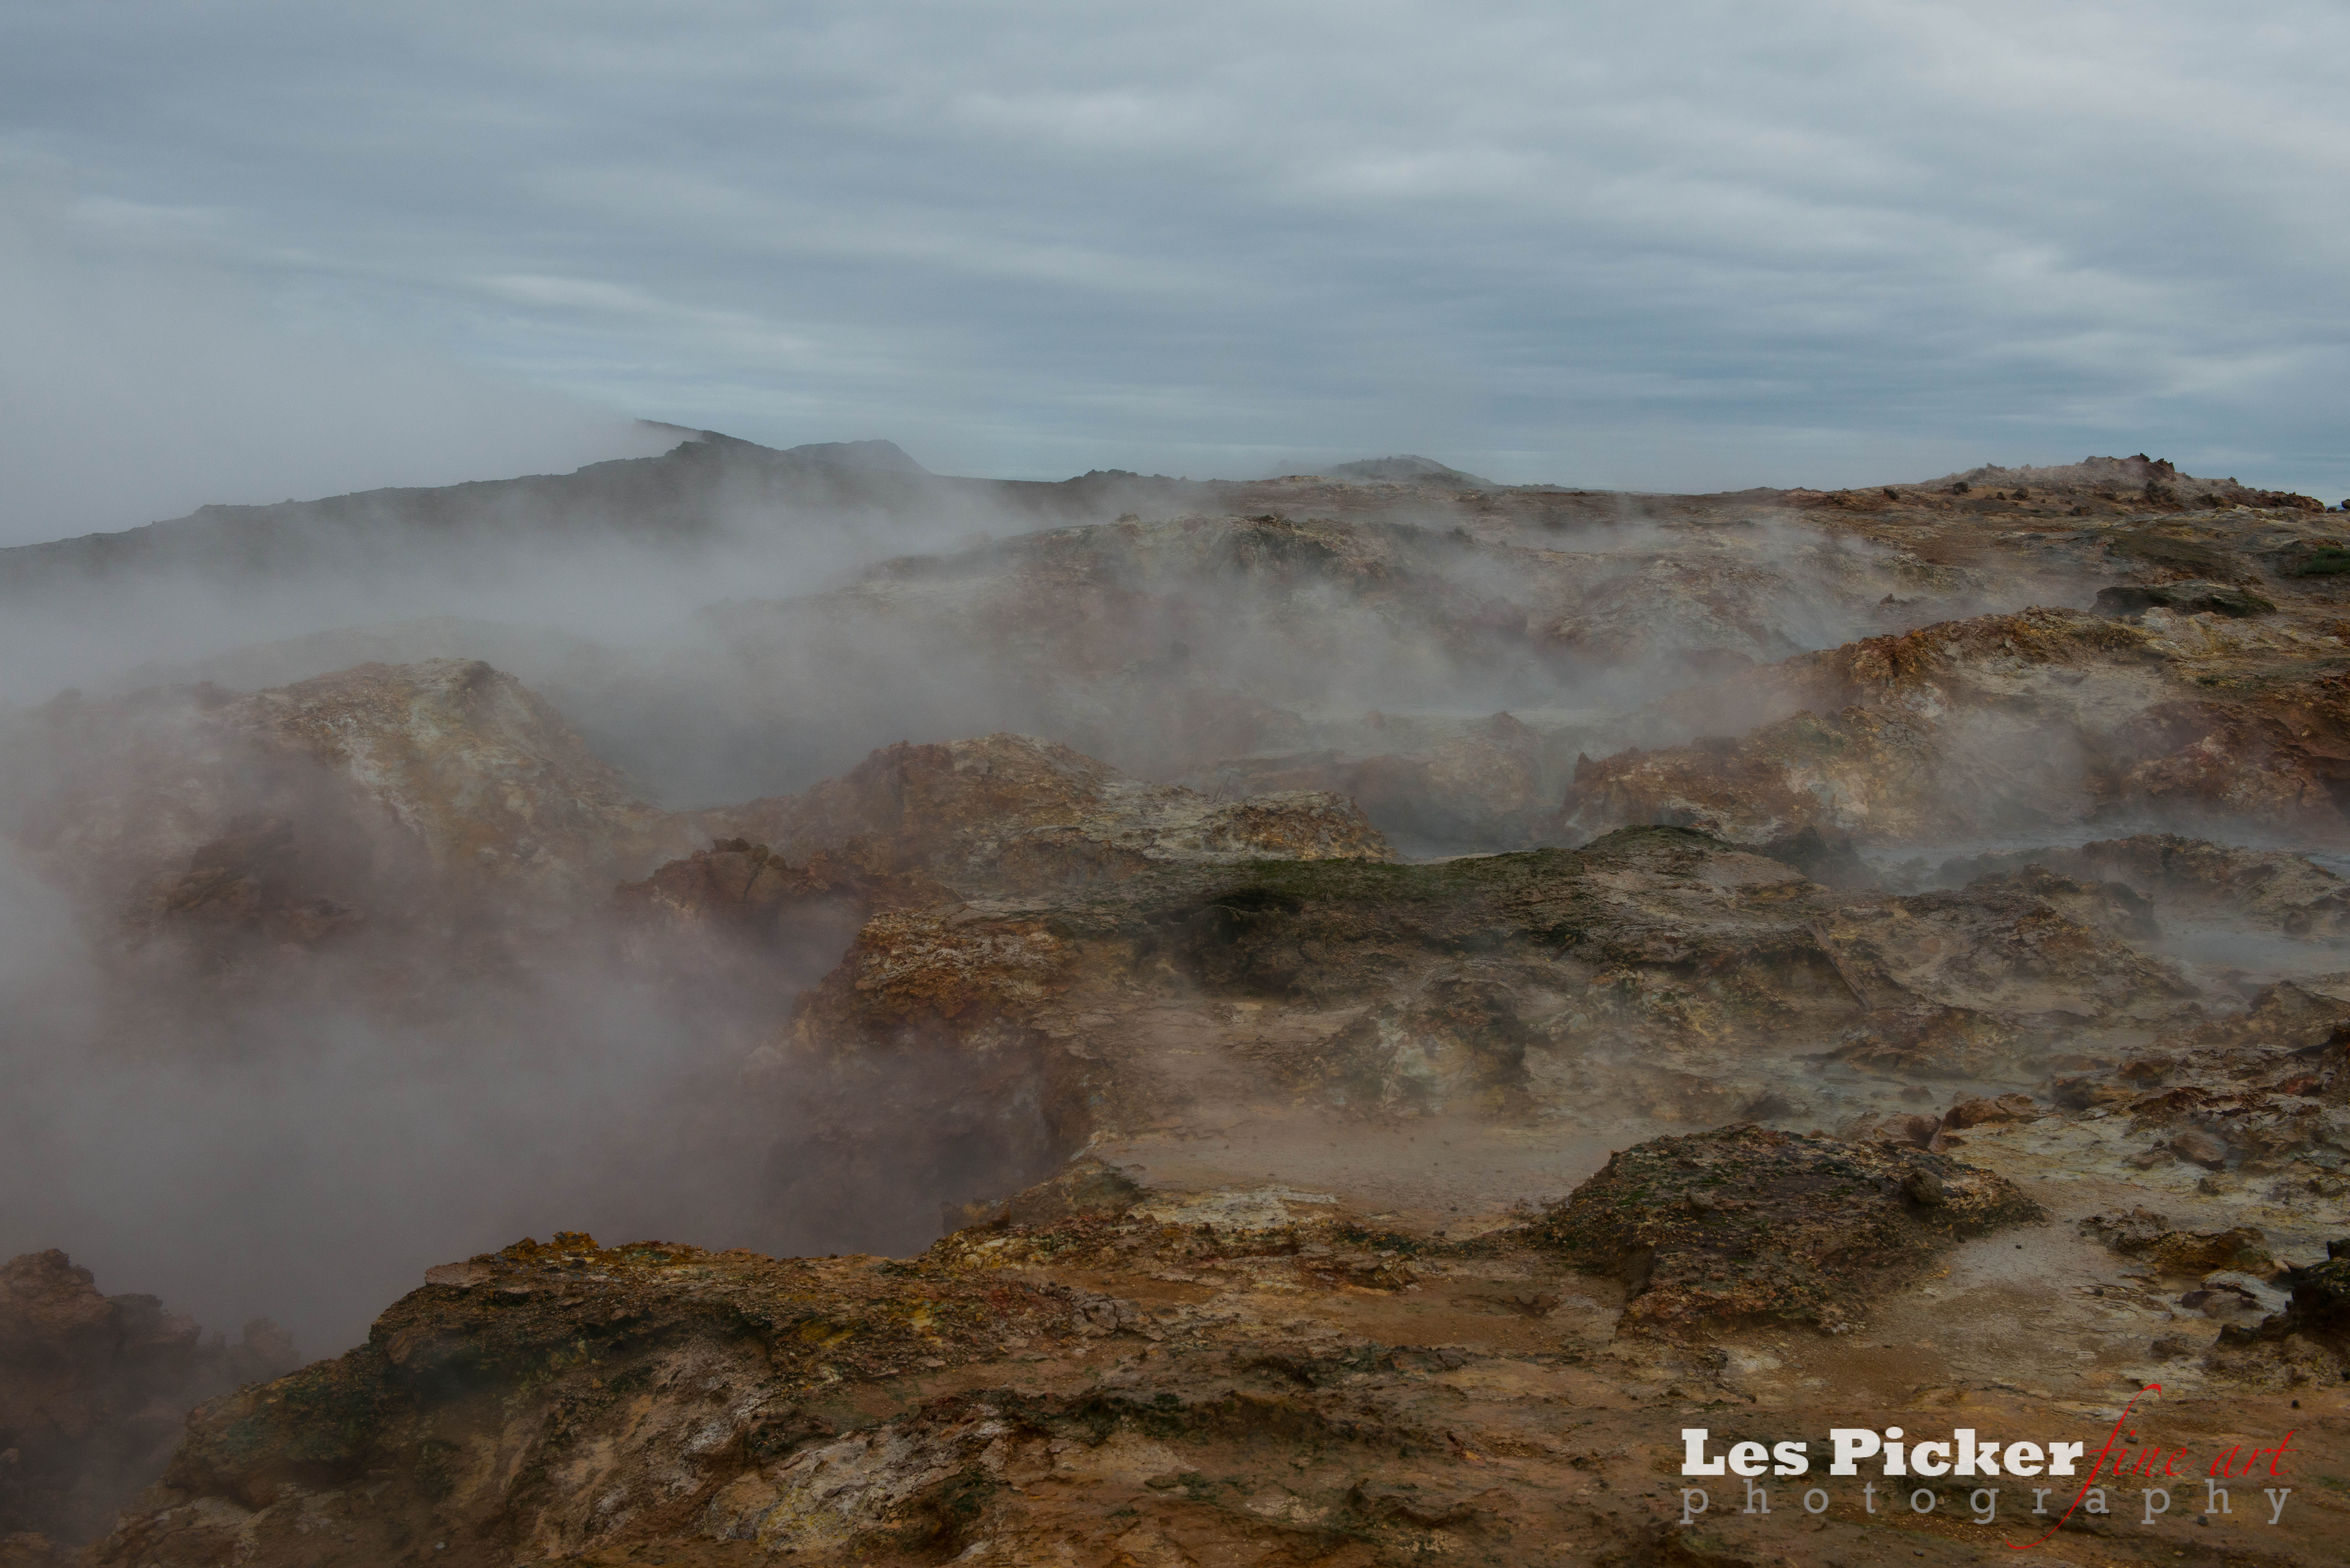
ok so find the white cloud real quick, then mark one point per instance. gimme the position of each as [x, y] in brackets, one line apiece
[1037, 236]
[137, 389]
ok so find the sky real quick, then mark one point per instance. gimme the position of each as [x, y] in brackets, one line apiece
[250, 250]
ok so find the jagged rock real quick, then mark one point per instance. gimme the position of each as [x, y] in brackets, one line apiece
[558, 1400]
[2318, 1304]
[94, 1391]
[1051, 964]
[2143, 1234]
[1928, 1040]
[1746, 1224]
[1978, 1111]
[1829, 859]
[2271, 889]
[1484, 784]
[443, 791]
[1904, 1128]
[1176, 645]
[747, 889]
[1085, 1186]
[1966, 727]
[1567, 984]
[2187, 598]
[2321, 1294]
[2256, 1088]
[1015, 813]
[2201, 1147]
[2255, 1293]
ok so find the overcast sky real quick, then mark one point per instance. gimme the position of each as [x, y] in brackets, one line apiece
[256, 249]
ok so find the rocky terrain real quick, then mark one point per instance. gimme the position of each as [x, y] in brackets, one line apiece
[95, 1391]
[1319, 1020]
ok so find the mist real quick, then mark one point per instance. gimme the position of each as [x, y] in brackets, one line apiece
[295, 1126]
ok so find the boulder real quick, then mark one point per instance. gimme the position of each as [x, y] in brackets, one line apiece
[1745, 1224]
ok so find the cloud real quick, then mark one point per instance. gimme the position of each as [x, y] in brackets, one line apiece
[142, 384]
[1681, 244]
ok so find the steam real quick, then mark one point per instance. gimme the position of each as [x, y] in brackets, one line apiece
[303, 1153]
[301, 1145]
[301, 1141]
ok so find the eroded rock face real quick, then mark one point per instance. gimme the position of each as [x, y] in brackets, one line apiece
[2271, 888]
[2320, 1303]
[1483, 785]
[1237, 1374]
[1653, 973]
[414, 803]
[1745, 1224]
[2001, 722]
[2142, 1234]
[740, 886]
[1962, 729]
[397, 796]
[1014, 814]
[95, 1389]
[549, 1400]
[479, 768]
[1400, 648]
[2251, 1093]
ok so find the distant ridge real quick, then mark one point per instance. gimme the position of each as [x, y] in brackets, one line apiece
[700, 488]
[881, 454]
[1407, 467]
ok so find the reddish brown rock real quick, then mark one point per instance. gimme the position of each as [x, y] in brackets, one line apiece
[2272, 888]
[1969, 727]
[2144, 1234]
[746, 889]
[1978, 1111]
[2201, 1147]
[95, 1391]
[1482, 784]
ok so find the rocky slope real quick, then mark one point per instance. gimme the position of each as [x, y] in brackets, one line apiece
[701, 488]
[1373, 1355]
[1012, 813]
[94, 1392]
[423, 802]
[1914, 992]
[1254, 1376]
[448, 794]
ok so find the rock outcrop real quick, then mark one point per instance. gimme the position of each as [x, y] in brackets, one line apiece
[95, 1391]
[1651, 973]
[405, 795]
[1011, 813]
[1250, 1375]
[2003, 722]
[1746, 1224]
